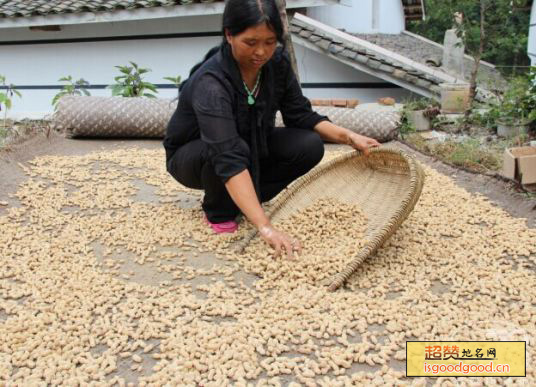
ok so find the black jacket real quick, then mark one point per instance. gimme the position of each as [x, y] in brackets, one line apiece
[213, 107]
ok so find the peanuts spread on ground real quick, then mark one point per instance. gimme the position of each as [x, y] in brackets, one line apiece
[110, 276]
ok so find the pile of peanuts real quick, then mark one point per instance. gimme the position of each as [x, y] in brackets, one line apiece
[100, 286]
[340, 227]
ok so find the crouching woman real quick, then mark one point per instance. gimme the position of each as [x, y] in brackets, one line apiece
[222, 139]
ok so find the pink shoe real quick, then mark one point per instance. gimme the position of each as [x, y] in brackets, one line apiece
[220, 228]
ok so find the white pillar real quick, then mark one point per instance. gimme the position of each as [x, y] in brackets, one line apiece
[532, 36]
[362, 16]
[392, 20]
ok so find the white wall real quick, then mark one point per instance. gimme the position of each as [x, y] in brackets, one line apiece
[317, 68]
[44, 64]
[532, 36]
[363, 16]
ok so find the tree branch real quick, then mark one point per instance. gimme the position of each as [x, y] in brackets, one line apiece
[477, 58]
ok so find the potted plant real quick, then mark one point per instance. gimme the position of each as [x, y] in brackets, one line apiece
[516, 108]
[420, 113]
[511, 121]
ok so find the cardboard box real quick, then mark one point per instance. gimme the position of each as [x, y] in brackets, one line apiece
[520, 164]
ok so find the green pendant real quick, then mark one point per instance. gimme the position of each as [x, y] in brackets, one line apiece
[251, 99]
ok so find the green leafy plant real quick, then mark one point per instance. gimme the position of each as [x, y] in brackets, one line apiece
[175, 80]
[6, 97]
[406, 127]
[484, 118]
[467, 153]
[420, 104]
[523, 4]
[71, 88]
[506, 22]
[416, 104]
[529, 102]
[518, 103]
[131, 84]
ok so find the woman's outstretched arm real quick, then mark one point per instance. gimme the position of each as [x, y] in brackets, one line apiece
[339, 135]
[241, 190]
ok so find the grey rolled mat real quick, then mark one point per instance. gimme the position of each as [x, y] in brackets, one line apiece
[82, 116]
[381, 125]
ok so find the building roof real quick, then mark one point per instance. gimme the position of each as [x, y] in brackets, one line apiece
[413, 9]
[24, 13]
[430, 54]
[14, 8]
[375, 57]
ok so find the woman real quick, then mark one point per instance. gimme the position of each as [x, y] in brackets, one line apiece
[222, 138]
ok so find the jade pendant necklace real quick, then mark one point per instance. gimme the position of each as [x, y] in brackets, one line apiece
[251, 94]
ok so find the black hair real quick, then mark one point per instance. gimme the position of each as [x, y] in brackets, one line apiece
[238, 16]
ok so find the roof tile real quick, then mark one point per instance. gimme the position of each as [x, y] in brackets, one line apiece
[375, 56]
[18, 8]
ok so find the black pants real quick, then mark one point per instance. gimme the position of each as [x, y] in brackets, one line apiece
[292, 153]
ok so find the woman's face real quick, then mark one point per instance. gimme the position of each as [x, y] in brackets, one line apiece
[253, 47]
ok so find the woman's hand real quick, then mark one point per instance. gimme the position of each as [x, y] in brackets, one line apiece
[362, 143]
[240, 188]
[279, 241]
[339, 135]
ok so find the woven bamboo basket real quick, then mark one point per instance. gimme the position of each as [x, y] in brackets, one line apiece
[386, 185]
